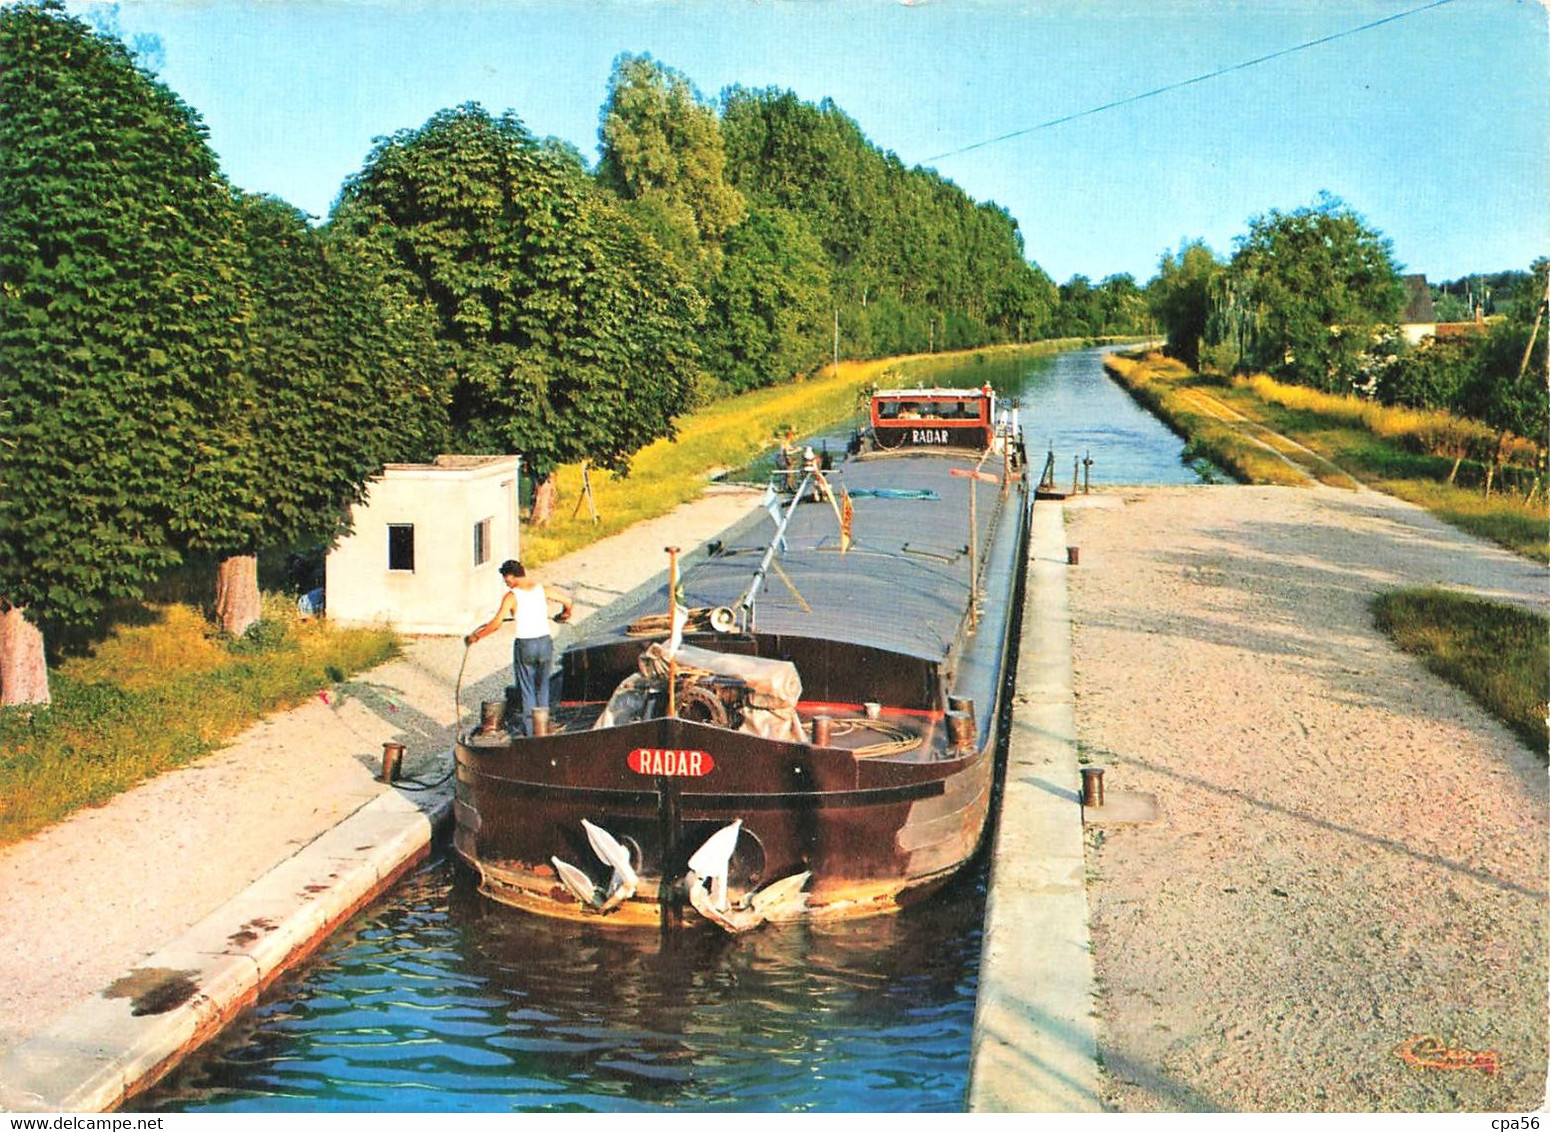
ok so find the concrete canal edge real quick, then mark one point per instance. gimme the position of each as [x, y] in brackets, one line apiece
[122, 1040]
[1035, 1043]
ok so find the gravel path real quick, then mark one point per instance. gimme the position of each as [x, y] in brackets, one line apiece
[1349, 854]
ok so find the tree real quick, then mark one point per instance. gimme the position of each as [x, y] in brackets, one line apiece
[122, 316]
[1321, 284]
[770, 306]
[341, 370]
[662, 151]
[567, 332]
[913, 261]
[1507, 389]
[1180, 298]
[1077, 315]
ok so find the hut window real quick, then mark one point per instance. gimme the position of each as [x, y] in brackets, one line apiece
[401, 546]
[482, 542]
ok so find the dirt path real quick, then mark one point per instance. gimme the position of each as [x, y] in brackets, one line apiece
[1350, 853]
[1307, 464]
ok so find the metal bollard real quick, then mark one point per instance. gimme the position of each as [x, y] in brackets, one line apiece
[492, 715]
[1092, 786]
[960, 729]
[392, 761]
[540, 722]
[1073, 556]
[822, 730]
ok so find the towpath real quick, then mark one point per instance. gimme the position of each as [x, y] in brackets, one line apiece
[1350, 853]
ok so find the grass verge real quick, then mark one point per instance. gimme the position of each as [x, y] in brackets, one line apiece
[157, 695]
[1499, 654]
[1408, 454]
[1167, 388]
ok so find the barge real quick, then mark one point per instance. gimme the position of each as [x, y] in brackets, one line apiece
[805, 723]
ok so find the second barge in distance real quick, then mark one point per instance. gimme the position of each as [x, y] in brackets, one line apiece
[819, 739]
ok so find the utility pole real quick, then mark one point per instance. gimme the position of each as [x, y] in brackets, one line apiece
[836, 341]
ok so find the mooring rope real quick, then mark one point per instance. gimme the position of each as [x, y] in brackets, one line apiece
[457, 725]
[900, 739]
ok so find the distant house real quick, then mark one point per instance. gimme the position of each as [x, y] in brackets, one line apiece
[1419, 318]
[426, 546]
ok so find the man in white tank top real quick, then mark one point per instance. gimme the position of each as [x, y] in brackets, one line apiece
[526, 602]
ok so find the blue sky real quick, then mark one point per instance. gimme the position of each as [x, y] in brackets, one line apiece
[1433, 126]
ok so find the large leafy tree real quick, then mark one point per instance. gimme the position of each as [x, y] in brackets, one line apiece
[341, 375]
[122, 323]
[913, 261]
[662, 152]
[567, 332]
[770, 306]
[1181, 298]
[1320, 285]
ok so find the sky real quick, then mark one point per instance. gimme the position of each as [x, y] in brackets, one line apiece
[1433, 125]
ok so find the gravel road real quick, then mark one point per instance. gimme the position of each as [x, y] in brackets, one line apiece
[1350, 854]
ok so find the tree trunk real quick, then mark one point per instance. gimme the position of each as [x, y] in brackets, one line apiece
[23, 669]
[545, 496]
[236, 593]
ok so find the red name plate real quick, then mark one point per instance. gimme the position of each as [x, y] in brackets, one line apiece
[679, 764]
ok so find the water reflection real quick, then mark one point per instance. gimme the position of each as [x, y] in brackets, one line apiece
[442, 1001]
[1072, 408]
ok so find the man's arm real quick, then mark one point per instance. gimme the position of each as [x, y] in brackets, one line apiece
[493, 623]
[554, 593]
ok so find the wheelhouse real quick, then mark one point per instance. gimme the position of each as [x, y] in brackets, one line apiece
[934, 418]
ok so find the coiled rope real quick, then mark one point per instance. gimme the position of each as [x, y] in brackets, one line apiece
[899, 739]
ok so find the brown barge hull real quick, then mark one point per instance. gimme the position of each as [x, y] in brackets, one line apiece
[874, 834]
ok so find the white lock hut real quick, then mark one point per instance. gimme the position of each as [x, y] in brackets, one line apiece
[426, 545]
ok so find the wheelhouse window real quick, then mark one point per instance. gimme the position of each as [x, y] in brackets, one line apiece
[482, 542]
[401, 547]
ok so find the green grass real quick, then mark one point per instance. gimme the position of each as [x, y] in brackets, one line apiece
[1406, 453]
[1499, 654]
[1396, 465]
[1163, 386]
[156, 695]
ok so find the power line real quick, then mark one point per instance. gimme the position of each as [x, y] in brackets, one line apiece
[1191, 82]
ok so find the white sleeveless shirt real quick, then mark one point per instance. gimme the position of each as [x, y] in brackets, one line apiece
[532, 612]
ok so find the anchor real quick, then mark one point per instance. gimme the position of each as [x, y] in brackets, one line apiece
[621, 885]
[706, 882]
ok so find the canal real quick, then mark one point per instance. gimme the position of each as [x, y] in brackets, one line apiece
[436, 1000]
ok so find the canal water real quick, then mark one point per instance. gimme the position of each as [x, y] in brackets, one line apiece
[436, 1000]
